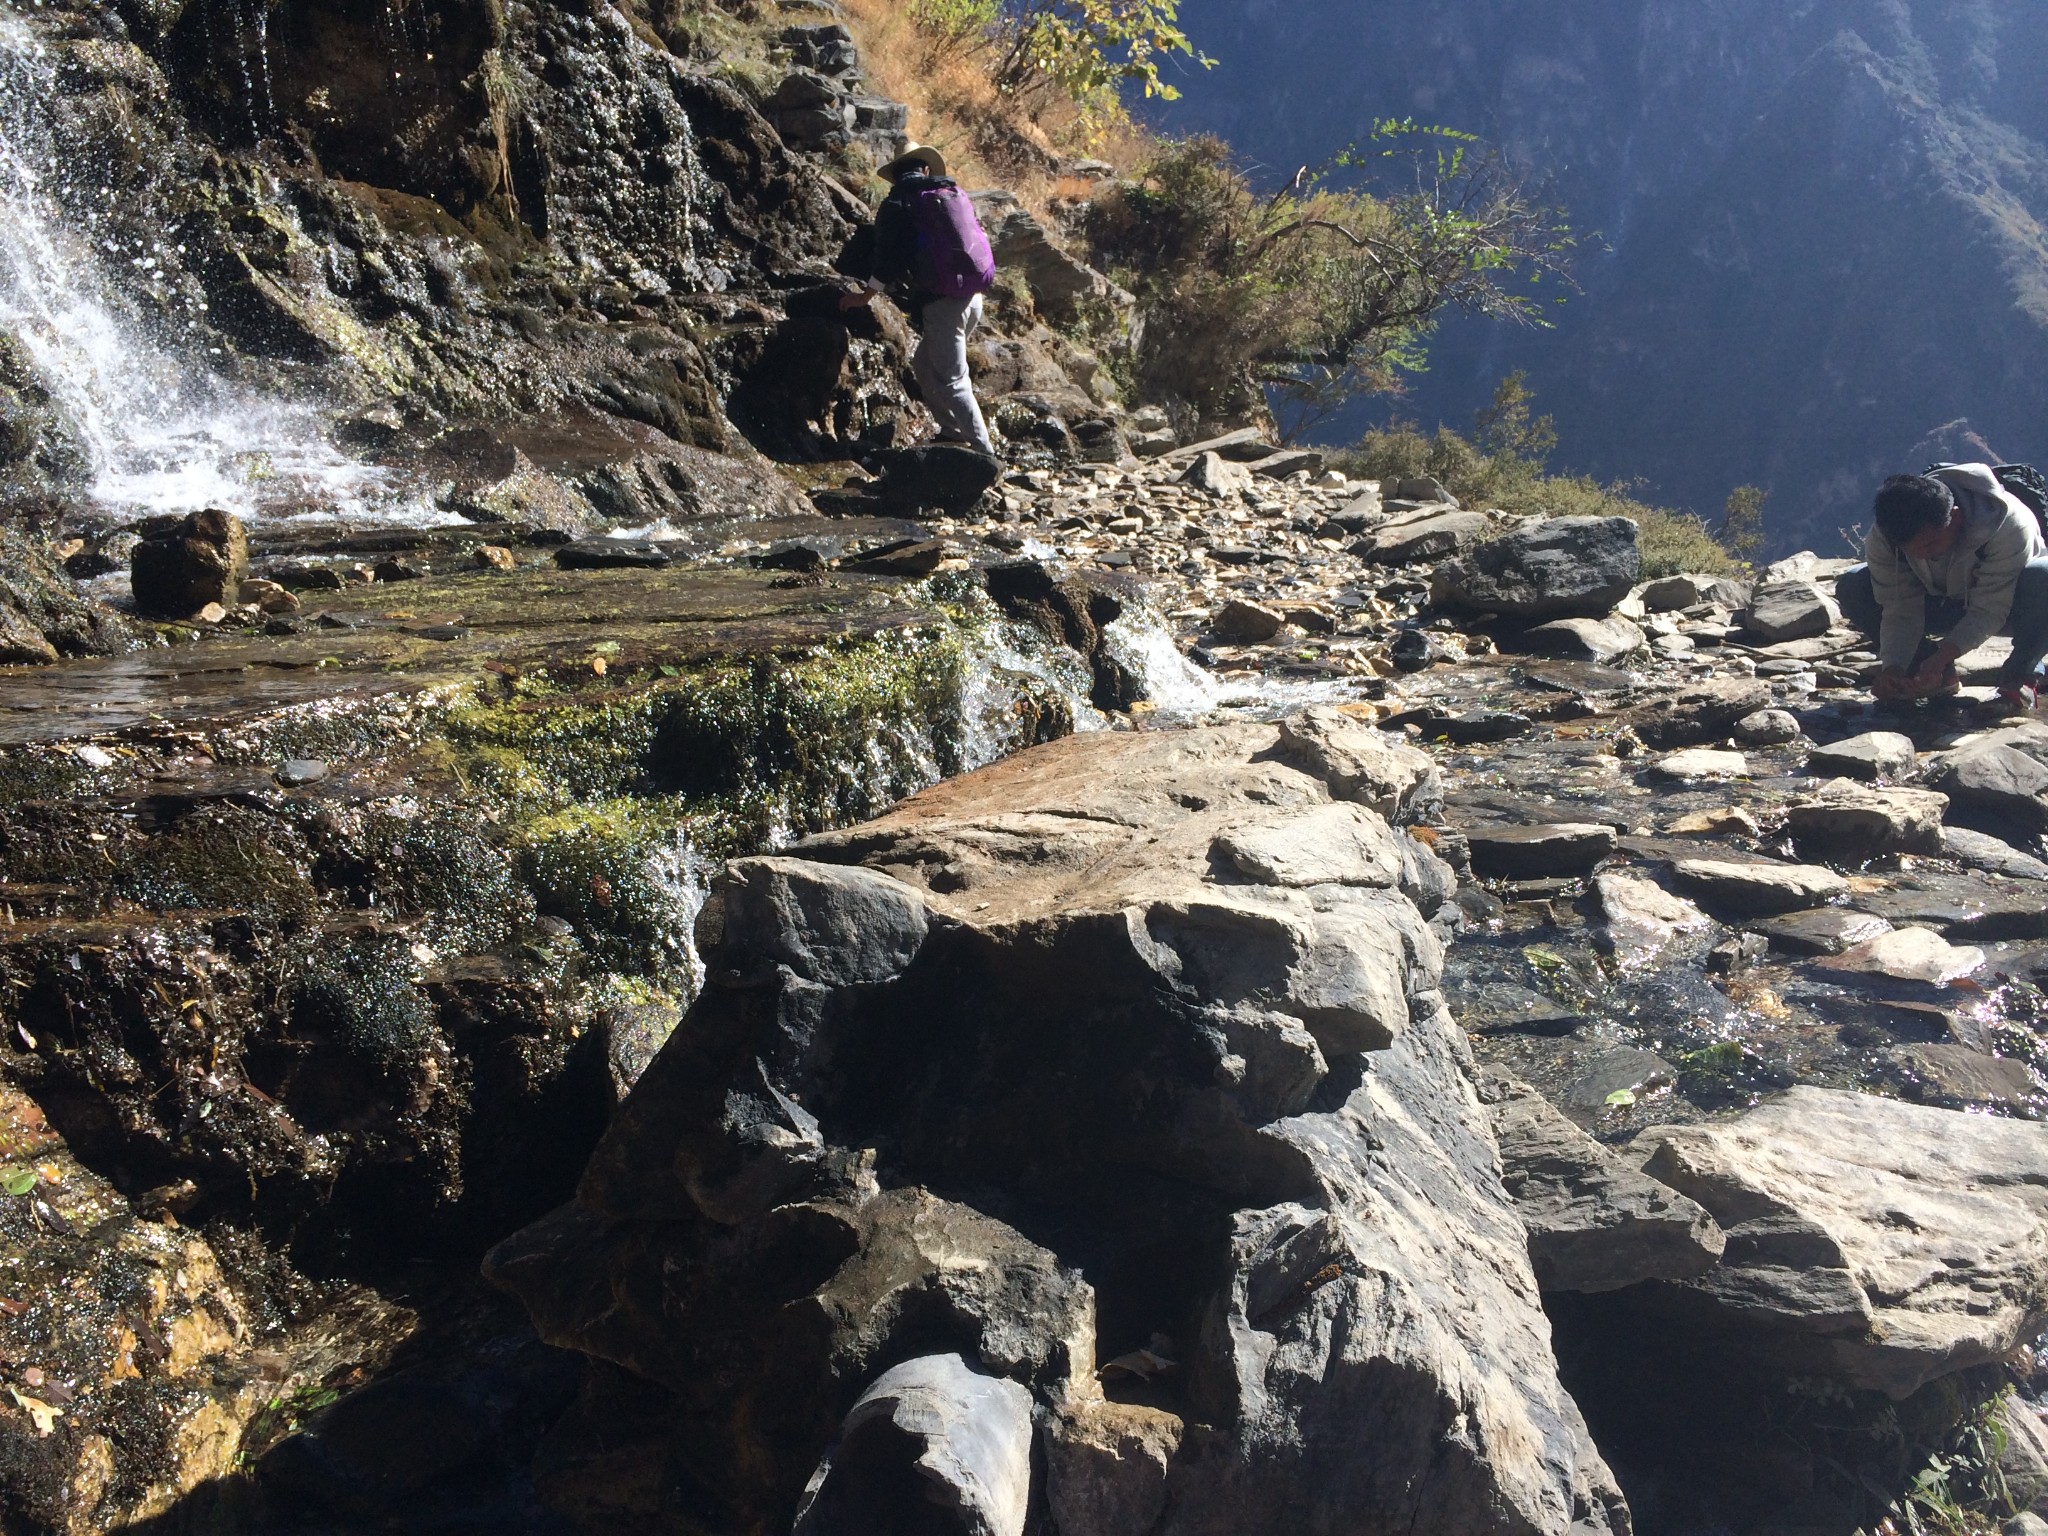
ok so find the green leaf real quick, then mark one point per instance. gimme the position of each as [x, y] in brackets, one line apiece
[18, 1181]
[1621, 1098]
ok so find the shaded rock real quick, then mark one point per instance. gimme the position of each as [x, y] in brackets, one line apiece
[1246, 623]
[944, 477]
[1642, 918]
[1701, 763]
[1958, 1077]
[1977, 850]
[1997, 780]
[1521, 853]
[1617, 1070]
[1424, 538]
[1595, 1223]
[181, 564]
[1599, 640]
[1884, 1244]
[1790, 609]
[1767, 728]
[1852, 822]
[1822, 931]
[1563, 568]
[1909, 954]
[1424, 488]
[1361, 763]
[1759, 887]
[1217, 475]
[1873, 755]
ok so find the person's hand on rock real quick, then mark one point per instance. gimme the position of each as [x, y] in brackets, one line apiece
[1892, 683]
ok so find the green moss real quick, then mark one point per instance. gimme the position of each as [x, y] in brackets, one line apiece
[619, 871]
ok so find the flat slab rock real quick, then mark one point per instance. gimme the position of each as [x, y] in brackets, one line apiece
[1873, 755]
[1759, 888]
[1886, 1244]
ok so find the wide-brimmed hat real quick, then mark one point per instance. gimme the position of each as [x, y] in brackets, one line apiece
[914, 154]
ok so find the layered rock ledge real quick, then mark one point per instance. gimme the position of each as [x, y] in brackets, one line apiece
[1118, 1071]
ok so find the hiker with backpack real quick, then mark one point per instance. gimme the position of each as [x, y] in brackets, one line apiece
[1955, 556]
[928, 241]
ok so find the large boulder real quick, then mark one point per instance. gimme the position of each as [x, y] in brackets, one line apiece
[935, 477]
[1566, 567]
[1881, 1243]
[1162, 1000]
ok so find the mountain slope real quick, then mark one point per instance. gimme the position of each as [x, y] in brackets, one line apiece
[1820, 224]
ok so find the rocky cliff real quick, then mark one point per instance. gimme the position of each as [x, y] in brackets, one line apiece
[1815, 231]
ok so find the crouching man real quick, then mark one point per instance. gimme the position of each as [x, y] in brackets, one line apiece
[1953, 559]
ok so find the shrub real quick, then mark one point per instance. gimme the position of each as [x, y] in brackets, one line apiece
[1324, 290]
[1505, 468]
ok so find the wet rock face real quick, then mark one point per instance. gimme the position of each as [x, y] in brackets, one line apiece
[1227, 1117]
[43, 616]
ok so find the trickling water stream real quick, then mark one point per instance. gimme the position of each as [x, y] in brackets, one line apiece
[161, 431]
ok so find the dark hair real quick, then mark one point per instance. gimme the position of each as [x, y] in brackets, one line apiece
[1908, 505]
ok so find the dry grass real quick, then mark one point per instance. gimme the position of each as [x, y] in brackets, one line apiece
[989, 139]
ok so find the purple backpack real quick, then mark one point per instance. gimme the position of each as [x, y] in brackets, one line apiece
[953, 256]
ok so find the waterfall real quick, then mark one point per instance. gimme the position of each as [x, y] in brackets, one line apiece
[164, 432]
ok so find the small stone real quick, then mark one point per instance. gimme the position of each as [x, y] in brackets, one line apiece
[1910, 954]
[1853, 822]
[1999, 780]
[1792, 609]
[1642, 917]
[1721, 821]
[495, 557]
[1822, 931]
[1739, 953]
[1978, 850]
[1673, 594]
[212, 613]
[398, 570]
[612, 554]
[1767, 728]
[1241, 623]
[1595, 640]
[1760, 887]
[1522, 853]
[1957, 1077]
[909, 558]
[1702, 763]
[1213, 473]
[296, 771]
[268, 596]
[1873, 755]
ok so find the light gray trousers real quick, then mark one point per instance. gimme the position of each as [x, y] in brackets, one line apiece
[940, 363]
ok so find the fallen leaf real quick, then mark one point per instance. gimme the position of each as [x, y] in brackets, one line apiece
[40, 1413]
[18, 1181]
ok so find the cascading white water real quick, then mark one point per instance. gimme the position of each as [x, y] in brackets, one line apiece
[163, 431]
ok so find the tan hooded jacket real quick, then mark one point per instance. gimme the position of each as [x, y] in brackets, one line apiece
[1982, 570]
